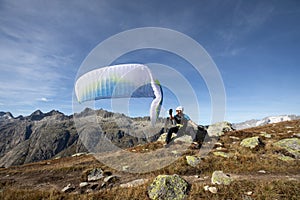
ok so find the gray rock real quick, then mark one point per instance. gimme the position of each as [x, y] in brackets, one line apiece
[95, 174]
[219, 129]
[193, 161]
[221, 154]
[185, 139]
[292, 145]
[68, 188]
[110, 181]
[251, 142]
[83, 184]
[168, 187]
[134, 183]
[213, 190]
[218, 177]
[265, 135]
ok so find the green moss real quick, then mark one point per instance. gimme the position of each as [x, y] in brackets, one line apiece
[292, 145]
[218, 177]
[192, 160]
[165, 187]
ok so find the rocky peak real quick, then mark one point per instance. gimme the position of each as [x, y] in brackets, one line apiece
[37, 115]
[6, 115]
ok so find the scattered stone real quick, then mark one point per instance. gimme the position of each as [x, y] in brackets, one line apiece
[221, 149]
[134, 183]
[218, 177]
[176, 153]
[234, 138]
[125, 168]
[83, 184]
[297, 135]
[168, 187]
[110, 181]
[248, 193]
[206, 187]
[111, 178]
[218, 144]
[68, 188]
[262, 171]
[95, 174]
[219, 129]
[265, 135]
[78, 154]
[213, 190]
[193, 161]
[221, 154]
[292, 145]
[251, 143]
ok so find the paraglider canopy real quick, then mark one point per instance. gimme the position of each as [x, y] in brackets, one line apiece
[120, 81]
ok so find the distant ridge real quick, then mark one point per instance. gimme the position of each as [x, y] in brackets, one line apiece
[264, 121]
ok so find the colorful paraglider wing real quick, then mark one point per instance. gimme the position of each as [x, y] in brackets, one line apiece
[120, 81]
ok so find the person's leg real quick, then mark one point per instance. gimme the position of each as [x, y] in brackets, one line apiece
[169, 134]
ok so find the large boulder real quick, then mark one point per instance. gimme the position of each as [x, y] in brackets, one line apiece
[292, 145]
[218, 177]
[168, 187]
[251, 142]
[185, 139]
[219, 129]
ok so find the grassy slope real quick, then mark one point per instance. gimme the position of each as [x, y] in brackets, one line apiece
[281, 181]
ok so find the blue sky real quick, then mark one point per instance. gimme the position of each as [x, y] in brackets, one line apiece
[254, 44]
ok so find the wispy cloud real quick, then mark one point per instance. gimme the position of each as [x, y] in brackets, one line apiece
[43, 99]
[33, 59]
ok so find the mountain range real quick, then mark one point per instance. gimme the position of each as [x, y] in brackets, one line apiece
[41, 136]
[267, 120]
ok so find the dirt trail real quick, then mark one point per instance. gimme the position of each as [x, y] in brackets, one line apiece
[252, 177]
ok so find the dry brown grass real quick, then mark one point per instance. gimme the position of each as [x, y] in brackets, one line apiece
[260, 190]
[44, 180]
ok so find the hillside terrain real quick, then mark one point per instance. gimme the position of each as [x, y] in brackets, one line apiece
[267, 120]
[259, 162]
[42, 136]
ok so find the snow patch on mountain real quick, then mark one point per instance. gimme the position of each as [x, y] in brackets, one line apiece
[264, 121]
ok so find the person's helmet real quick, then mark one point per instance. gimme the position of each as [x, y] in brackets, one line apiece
[180, 108]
